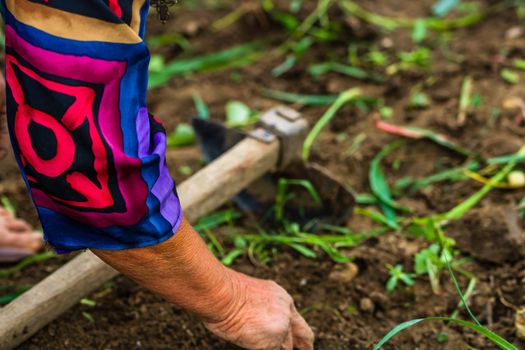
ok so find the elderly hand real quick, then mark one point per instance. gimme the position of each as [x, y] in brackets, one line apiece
[263, 316]
[252, 313]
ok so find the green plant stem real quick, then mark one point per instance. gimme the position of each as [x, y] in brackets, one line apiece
[460, 210]
[390, 23]
[343, 99]
[31, 260]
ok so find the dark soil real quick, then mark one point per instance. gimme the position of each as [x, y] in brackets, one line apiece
[345, 315]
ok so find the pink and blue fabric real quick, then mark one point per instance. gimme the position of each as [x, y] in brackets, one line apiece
[90, 153]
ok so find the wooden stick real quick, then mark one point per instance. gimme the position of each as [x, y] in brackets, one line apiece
[201, 194]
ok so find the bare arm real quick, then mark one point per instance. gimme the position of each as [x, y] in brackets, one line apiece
[251, 313]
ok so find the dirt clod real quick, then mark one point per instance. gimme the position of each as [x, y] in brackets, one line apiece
[344, 273]
[491, 234]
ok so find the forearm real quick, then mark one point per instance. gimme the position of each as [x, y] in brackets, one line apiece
[182, 270]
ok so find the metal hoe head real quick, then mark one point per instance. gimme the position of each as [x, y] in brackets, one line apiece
[290, 128]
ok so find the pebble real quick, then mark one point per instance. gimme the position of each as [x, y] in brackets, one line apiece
[516, 178]
[514, 32]
[367, 305]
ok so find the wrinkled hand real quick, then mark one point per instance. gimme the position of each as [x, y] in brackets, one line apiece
[263, 317]
[4, 139]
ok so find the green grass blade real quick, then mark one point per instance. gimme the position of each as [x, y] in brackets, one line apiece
[354, 72]
[459, 291]
[231, 256]
[452, 175]
[342, 100]
[493, 337]
[202, 110]
[379, 185]
[233, 57]
[518, 158]
[461, 209]
[390, 23]
[307, 100]
[418, 133]
[398, 329]
[216, 219]
[307, 252]
[31, 260]
[8, 205]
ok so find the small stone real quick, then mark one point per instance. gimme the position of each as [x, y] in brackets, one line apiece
[367, 305]
[516, 178]
[344, 273]
[514, 33]
[387, 43]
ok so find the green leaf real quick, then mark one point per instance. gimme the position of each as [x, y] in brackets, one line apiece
[409, 281]
[168, 39]
[217, 219]
[510, 76]
[376, 216]
[284, 67]
[379, 185]
[88, 316]
[419, 100]
[156, 63]
[391, 284]
[288, 21]
[419, 33]
[88, 302]
[185, 170]
[202, 110]
[519, 63]
[184, 135]
[354, 72]
[238, 114]
[233, 57]
[281, 196]
[308, 100]
[307, 252]
[232, 256]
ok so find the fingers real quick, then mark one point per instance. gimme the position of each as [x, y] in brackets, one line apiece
[31, 241]
[288, 341]
[303, 336]
[18, 225]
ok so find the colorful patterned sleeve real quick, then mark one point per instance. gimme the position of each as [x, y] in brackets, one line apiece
[89, 151]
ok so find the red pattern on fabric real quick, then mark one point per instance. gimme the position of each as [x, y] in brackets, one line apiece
[115, 7]
[96, 197]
